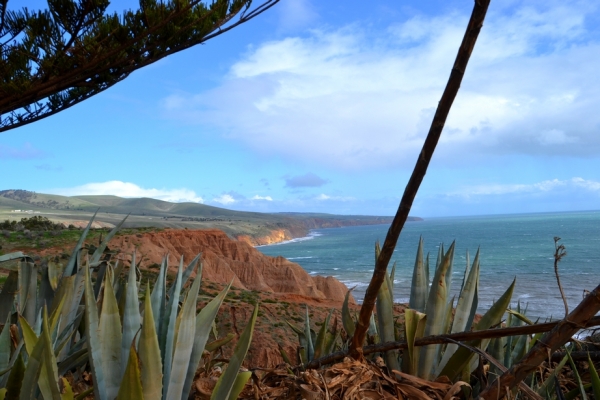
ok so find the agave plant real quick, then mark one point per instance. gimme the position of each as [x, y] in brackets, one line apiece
[168, 345]
[314, 345]
[432, 312]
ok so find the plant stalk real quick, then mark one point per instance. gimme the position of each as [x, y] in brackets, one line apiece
[435, 131]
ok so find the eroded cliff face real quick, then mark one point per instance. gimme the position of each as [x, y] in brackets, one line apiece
[275, 236]
[225, 259]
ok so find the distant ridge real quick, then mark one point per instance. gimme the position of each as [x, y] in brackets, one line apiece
[253, 227]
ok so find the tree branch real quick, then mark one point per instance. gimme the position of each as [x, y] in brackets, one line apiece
[435, 131]
[461, 336]
[549, 343]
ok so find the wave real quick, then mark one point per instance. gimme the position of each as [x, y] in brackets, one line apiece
[351, 284]
[310, 236]
[298, 258]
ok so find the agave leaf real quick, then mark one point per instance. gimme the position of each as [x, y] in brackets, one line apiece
[496, 350]
[440, 256]
[110, 335]
[75, 254]
[45, 292]
[594, 378]
[465, 310]
[158, 296]
[420, 285]
[100, 250]
[32, 372]
[132, 320]
[188, 272]
[226, 381]
[519, 349]
[217, 344]
[151, 374]
[93, 340]
[295, 329]
[436, 312]
[48, 380]
[373, 331]
[548, 385]
[72, 303]
[520, 316]
[391, 281]
[493, 316]
[5, 346]
[576, 373]
[284, 354]
[29, 336]
[12, 256]
[427, 272]
[347, 320]
[131, 385]
[321, 343]
[385, 322]
[414, 327]
[238, 385]
[14, 383]
[393, 273]
[28, 290]
[7, 297]
[468, 265]
[68, 392]
[184, 345]
[169, 326]
[203, 325]
[447, 325]
[310, 349]
[100, 278]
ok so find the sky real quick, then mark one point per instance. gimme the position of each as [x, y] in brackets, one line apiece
[323, 106]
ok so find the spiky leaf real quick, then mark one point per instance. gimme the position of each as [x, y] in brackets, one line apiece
[226, 381]
[149, 354]
[131, 385]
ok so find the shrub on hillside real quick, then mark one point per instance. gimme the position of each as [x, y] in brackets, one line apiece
[35, 223]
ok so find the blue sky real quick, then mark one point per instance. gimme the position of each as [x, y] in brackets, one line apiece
[323, 106]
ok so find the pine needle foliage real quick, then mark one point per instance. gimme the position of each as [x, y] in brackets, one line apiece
[54, 58]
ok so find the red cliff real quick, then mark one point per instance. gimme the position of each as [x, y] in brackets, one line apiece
[225, 259]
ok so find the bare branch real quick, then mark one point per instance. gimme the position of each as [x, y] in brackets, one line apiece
[549, 343]
[435, 131]
[461, 336]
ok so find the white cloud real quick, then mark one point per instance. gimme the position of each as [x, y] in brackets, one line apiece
[224, 199]
[267, 198]
[128, 189]
[323, 196]
[354, 99]
[538, 187]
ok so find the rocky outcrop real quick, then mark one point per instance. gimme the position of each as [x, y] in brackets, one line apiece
[225, 260]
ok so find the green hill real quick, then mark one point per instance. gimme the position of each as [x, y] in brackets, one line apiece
[147, 212]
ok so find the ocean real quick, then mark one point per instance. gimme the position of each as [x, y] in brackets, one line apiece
[511, 246]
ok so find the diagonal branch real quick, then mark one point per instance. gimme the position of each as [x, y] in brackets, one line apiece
[435, 131]
[550, 342]
[439, 339]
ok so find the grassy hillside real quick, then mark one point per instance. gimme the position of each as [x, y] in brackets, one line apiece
[146, 212]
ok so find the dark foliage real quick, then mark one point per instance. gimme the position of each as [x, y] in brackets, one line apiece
[35, 223]
[52, 59]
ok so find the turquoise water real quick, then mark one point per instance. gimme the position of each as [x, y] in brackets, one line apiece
[520, 246]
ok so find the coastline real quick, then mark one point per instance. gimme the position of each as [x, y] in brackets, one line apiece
[303, 229]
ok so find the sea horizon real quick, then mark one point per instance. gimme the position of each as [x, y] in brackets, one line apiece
[517, 245]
